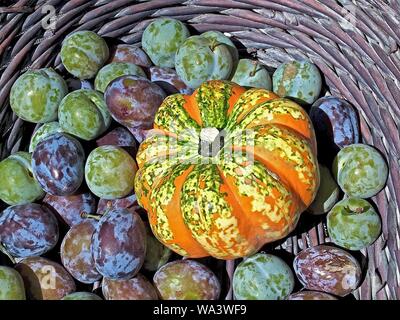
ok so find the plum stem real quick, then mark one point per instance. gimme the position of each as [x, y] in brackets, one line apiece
[92, 216]
[254, 71]
[3, 250]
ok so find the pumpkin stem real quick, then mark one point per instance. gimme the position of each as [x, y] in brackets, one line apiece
[4, 250]
[211, 141]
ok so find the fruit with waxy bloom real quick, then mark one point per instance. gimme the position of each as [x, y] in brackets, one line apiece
[360, 170]
[156, 253]
[83, 53]
[45, 279]
[336, 125]
[353, 224]
[46, 130]
[310, 295]
[82, 296]
[76, 255]
[120, 137]
[186, 280]
[168, 80]
[133, 102]
[327, 269]
[131, 54]
[162, 38]
[70, 208]
[28, 230]
[262, 277]
[219, 37]
[83, 113]
[327, 195]
[36, 94]
[250, 73]
[119, 244]
[11, 284]
[110, 172]
[136, 288]
[58, 164]
[128, 202]
[18, 185]
[298, 80]
[115, 70]
[200, 59]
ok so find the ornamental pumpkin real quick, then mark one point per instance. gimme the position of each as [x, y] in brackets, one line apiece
[226, 170]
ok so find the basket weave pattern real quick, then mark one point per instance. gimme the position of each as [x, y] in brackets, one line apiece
[354, 43]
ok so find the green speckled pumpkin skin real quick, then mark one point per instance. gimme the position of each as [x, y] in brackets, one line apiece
[262, 277]
[353, 224]
[162, 38]
[110, 172]
[18, 186]
[82, 296]
[200, 59]
[115, 70]
[43, 132]
[299, 80]
[250, 73]
[11, 285]
[360, 170]
[84, 113]
[83, 53]
[36, 94]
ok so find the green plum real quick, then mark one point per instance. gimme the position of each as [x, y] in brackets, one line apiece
[162, 38]
[200, 59]
[298, 80]
[250, 73]
[36, 94]
[327, 195]
[84, 113]
[82, 296]
[360, 170]
[353, 224]
[83, 53]
[262, 277]
[11, 284]
[156, 253]
[18, 185]
[43, 132]
[115, 70]
[218, 36]
[110, 172]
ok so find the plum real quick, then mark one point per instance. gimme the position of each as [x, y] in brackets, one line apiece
[18, 185]
[133, 102]
[131, 54]
[110, 172]
[82, 296]
[360, 170]
[11, 284]
[120, 137]
[156, 253]
[200, 59]
[136, 288]
[186, 280]
[114, 70]
[250, 73]
[70, 208]
[45, 279]
[83, 113]
[58, 164]
[36, 94]
[128, 202]
[298, 80]
[353, 224]
[119, 244]
[169, 80]
[44, 131]
[310, 295]
[28, 230]
[262, 277]
[83, 53]
[75, 252]
[162, 38]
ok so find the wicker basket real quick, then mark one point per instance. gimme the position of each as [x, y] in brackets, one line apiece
[354, 43]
